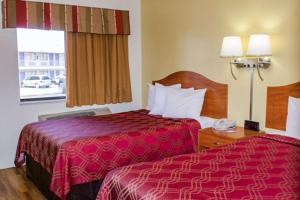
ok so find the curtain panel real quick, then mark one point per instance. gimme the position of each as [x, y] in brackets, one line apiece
[98, 69]
[70, 18]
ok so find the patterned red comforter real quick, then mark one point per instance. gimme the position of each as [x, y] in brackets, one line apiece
[82, 150]
[265, 167]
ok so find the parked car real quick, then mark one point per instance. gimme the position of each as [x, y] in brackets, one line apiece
[37, 81]
[59, 79]
[63, 86]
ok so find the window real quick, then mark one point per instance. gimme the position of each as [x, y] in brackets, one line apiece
[41, 65]
[56, 59]
[51, 59]
[21, 58]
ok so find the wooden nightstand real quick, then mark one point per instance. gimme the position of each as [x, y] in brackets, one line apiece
[210, 138]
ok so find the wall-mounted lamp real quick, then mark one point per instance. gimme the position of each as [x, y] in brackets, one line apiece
[232, 48]
[260, 48]
[259, 52]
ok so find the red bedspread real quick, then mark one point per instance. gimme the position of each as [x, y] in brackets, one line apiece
[259, 168]
[82, 150]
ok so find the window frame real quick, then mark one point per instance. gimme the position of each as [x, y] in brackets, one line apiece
[42, 99]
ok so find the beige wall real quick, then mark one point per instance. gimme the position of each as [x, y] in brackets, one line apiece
[187, 35]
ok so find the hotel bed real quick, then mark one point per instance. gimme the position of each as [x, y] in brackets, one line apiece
[264, 167]
[260, 168]
[72, 156]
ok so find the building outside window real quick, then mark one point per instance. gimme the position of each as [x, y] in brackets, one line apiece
[41, 65]
[21, 58]
[51, 59]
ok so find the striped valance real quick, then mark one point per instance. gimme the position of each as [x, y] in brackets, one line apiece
[49, 16]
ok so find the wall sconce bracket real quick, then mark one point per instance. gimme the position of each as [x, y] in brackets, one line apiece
[252, 62]
[260, 62]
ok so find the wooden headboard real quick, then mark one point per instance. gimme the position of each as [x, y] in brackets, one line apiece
[216, 97]
[277, 105]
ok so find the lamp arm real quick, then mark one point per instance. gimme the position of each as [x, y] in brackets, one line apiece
[231, 70]
[258, 71]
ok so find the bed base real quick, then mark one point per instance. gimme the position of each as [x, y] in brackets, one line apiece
[41, 178]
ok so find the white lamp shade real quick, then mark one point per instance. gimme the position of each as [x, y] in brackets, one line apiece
[232, 47]
[259, 45]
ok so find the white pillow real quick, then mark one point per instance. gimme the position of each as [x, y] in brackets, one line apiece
[151, 93]
[293, 118]
[184, 105]
[160, 98]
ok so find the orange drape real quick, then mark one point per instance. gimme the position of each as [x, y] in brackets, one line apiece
[98, 69]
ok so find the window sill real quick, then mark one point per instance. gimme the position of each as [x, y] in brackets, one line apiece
[42, 100]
